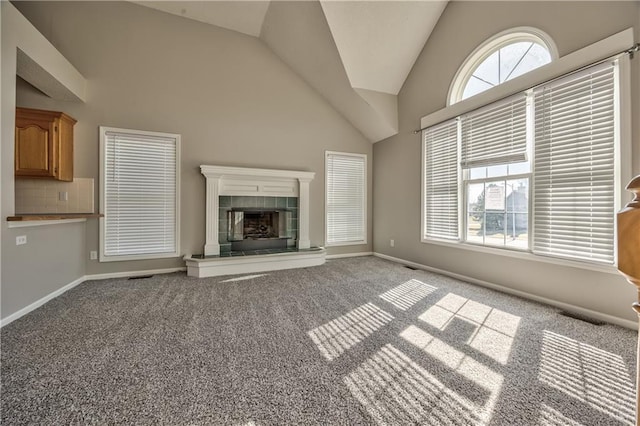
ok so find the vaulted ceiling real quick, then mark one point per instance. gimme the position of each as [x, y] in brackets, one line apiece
[357, 54]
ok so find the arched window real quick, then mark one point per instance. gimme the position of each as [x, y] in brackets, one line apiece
[503, 57]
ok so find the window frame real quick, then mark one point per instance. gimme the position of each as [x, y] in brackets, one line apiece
[103, 257]
[486, 49]
[606, 48]
[326, 200]
[468, 180]
[465, 210]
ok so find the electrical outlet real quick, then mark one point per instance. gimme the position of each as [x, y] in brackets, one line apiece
[63, 196]
[93, 255]
[392, 243]
[21, 239]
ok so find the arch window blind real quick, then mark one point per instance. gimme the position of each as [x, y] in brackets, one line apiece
[139, 194]
[345, 198]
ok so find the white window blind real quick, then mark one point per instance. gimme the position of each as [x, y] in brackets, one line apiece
[346, 198]
[440, 148]
[495, 134]
[574, 168]
[139, 194]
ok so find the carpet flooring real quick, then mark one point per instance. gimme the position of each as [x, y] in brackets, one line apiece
[355, 341]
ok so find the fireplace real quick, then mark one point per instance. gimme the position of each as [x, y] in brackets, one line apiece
[256, 207]
[255, 188]
[256, 229]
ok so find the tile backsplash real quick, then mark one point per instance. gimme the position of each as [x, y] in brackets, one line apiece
[43, 196]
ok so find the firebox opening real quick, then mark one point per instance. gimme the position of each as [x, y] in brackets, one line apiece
[251, 229]
[260, 225]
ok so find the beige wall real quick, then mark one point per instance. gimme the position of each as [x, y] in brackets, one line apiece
[53, 256]
[236, 104]
[232, 100]
[462, 27]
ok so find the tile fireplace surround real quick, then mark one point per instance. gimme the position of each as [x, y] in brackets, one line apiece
[234, 182]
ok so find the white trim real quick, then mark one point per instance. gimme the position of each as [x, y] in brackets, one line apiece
[341, 256]
[101, 255]
[565, 306]
[30, 223]
[222, 180]
[303, 212]
[346, 243]
[133, 273]
[585, 56]
[35, 305]
[624, 141]
[487, 48]
[423, 187]
[224, 171]
[365, 190]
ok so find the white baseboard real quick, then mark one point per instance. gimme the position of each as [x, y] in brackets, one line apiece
[35, 305]
[340, 256]
[565, 306]
[133, 273]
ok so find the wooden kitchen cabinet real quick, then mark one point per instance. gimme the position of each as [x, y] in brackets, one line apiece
[44, 144]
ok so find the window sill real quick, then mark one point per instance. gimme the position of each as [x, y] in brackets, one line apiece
[525, 255]
[346, 243]
[123, 258]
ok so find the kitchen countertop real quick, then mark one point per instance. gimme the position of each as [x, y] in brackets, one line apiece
[51, 216]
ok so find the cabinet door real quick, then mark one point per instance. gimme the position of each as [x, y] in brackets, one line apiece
[35, 153]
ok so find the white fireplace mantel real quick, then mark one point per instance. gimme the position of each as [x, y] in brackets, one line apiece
[238, 181]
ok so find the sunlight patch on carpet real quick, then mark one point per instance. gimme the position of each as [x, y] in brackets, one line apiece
[396, 390]
[481, 384]
[490, 330]
[552, 417]
[408, 294]
[589, 374]
[244, 278]
[344, 332]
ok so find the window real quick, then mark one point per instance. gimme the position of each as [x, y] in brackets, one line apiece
[139, 194]
[346, 220]
[501, 58]
[496, 172]
[538, 171]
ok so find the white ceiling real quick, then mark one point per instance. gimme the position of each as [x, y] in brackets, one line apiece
[242, 16]
[356, 53]
[379, 41]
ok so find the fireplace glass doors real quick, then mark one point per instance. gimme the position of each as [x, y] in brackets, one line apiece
[255, 228]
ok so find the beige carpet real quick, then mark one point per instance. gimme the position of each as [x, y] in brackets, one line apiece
[356, 341]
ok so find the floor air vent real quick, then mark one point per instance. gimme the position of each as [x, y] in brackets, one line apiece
[410, 267]
[140, 277]
[581, 318]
